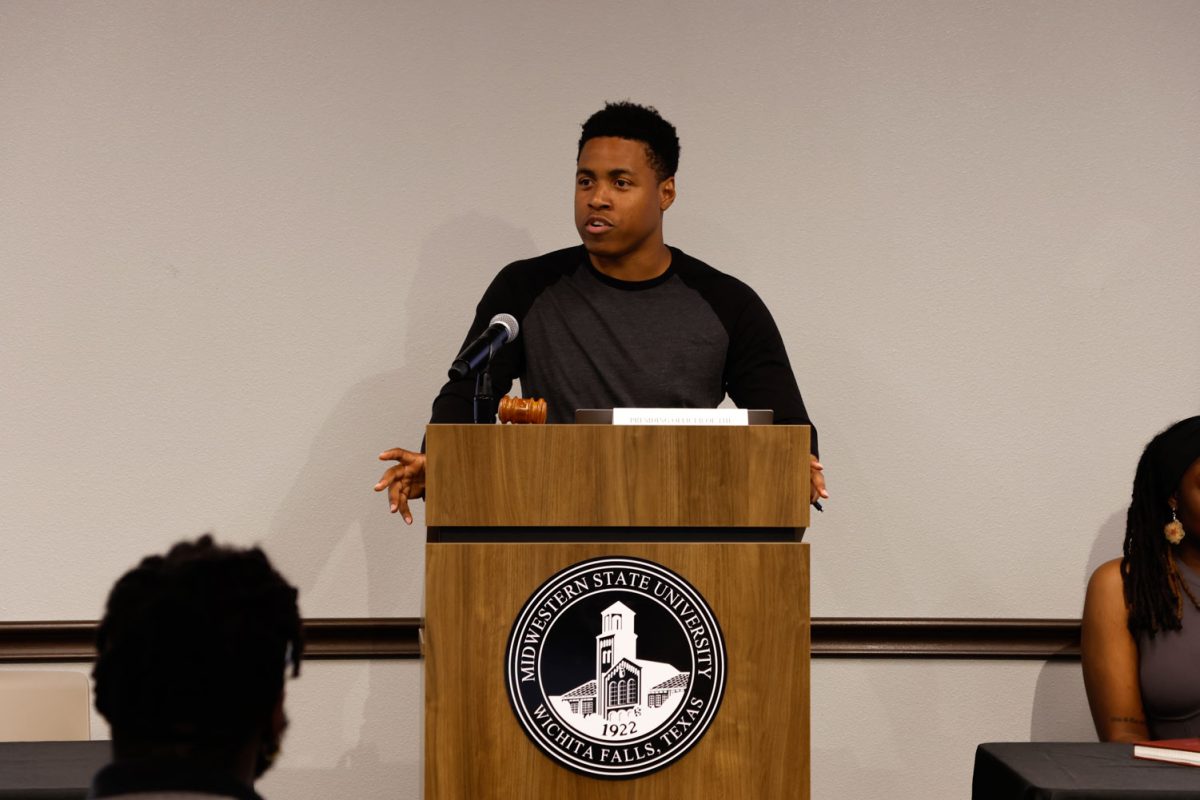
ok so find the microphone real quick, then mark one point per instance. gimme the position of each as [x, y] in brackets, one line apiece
[479, 353]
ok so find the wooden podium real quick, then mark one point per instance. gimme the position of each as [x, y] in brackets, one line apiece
[724, 508]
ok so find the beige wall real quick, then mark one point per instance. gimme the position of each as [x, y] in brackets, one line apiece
[240, 241]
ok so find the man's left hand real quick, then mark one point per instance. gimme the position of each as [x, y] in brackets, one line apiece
[816, 482]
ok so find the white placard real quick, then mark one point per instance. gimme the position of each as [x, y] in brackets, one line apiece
[680, 416]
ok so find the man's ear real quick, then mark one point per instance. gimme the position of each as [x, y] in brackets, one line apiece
[666, 193]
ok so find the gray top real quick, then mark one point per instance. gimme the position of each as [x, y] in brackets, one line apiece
[1169, 672]
[682, 340]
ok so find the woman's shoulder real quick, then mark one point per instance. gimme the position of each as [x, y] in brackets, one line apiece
[1108, 573]
[1106, 587]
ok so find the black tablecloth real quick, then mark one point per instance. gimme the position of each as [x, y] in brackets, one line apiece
[1070, 771]
[50, 769]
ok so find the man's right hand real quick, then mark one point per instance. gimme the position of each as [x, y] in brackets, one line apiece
[403, 482]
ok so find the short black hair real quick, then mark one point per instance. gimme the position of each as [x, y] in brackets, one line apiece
[644, 124]
[193, 645]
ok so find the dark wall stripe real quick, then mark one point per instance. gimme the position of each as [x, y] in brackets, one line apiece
[945, 638]
[832, 637]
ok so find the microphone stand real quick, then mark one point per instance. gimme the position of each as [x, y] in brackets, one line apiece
[485, 398]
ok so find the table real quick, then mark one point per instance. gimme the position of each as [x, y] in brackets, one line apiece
[50, 770]
[1076, 771]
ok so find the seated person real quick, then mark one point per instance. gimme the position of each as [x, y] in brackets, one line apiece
[191, 662]
[1141, 619]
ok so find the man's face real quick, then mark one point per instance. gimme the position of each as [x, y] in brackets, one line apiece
[619, 201]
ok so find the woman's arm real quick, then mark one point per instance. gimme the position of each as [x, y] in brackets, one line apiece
[1110, 660]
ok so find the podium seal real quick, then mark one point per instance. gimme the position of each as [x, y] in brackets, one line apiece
[615, 667]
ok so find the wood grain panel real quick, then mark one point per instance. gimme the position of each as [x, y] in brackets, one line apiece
[757, 745]
[605, 475]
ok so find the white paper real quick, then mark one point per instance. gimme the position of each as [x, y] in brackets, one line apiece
[680, 416]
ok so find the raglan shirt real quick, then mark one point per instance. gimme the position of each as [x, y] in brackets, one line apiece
[682, 340]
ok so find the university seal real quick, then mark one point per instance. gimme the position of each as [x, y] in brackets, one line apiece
[615, 667]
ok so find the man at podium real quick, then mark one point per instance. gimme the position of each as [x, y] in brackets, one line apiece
[624, 320]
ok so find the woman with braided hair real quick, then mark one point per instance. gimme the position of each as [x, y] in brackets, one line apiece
[1141, 619]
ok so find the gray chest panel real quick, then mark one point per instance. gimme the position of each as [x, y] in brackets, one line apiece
[592, 345]
[1167, 672]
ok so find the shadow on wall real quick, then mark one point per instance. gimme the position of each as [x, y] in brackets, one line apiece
[1060, 709]
[332, 492]
[331, 499]
[382, 767]
[1108, 545]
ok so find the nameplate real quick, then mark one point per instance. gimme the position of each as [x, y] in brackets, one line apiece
[680, 416]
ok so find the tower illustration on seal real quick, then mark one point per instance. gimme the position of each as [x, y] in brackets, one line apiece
[625, 686]
[617, 673]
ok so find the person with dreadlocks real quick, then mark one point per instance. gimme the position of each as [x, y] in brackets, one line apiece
[191, 660]
[623, 320]
[1141, 618]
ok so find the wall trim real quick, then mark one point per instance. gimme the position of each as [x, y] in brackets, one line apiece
[874, 637]
[832, 637]
[352, 638]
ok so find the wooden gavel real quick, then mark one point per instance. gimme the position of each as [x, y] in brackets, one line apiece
[522, 410]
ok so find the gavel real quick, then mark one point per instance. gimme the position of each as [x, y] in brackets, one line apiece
[522, 410]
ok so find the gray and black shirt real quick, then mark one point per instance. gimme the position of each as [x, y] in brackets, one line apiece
[682, 340]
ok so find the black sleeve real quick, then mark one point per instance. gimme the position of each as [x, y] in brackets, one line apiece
[757, 371]
[454, 402]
